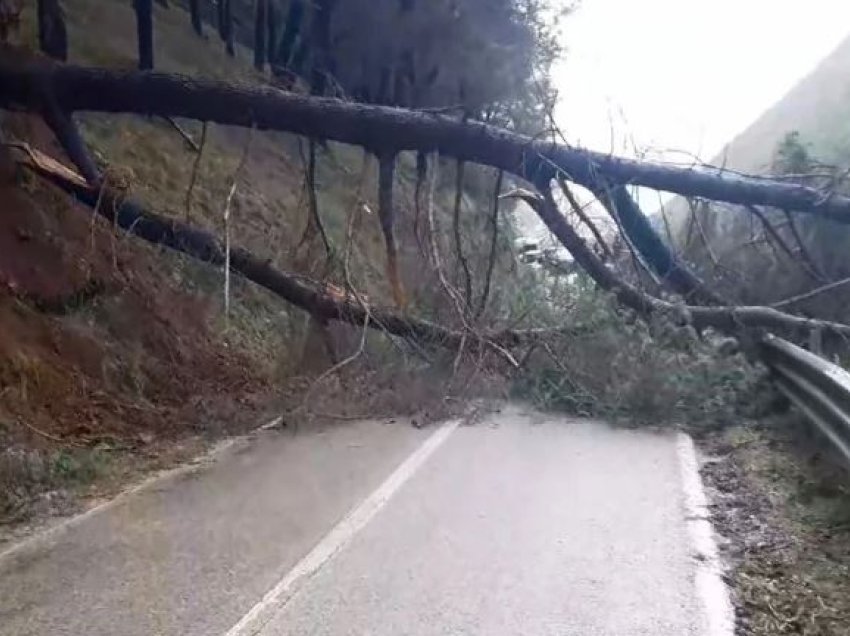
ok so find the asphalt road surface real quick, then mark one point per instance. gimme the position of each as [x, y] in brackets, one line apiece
[521, 524]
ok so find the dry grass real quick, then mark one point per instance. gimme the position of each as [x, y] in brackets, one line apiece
[783, 503]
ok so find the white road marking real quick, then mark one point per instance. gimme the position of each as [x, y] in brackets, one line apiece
[191, 466]
[712, 591]
[338, 537]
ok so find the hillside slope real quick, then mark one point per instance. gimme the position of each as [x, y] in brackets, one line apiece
[116, 355]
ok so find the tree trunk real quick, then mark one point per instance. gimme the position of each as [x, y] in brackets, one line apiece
[260, 26]
[321, 63]
[654, 251]
[52, 34]
[144, 32]
[197, 18]
[75, 89]
[386, 216]
[271, 41]
[228, 27]
[291, 30]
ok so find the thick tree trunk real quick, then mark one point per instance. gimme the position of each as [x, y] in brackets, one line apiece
[291, 30]
[52, 34]
[260, 32]
[321, 63]
[144, 32]
[197, 18]
[74, 88]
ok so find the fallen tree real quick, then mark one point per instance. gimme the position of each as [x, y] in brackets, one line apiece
[727, 319]
[38, 86]
[321, 301]
[35, 84]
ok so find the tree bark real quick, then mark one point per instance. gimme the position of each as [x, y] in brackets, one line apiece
[52, 34]
[76, 88]
[144, 32]
[260, 32]
[197, 18]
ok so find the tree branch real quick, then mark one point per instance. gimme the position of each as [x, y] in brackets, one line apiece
[491, 260]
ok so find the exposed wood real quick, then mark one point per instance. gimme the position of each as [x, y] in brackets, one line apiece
[386, 215]
[144, 32]
[638, 231]
[52, 33]
[75, 88]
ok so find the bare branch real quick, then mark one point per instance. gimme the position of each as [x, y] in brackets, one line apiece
[581, 214]
[461, 258]
[491, 260]
[386, 215]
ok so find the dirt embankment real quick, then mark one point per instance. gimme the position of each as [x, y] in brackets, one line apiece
[105, 360]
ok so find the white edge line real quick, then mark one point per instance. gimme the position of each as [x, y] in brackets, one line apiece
[711, 590]
[338, 537]
[192, 465]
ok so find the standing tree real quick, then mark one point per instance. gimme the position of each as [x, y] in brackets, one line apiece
[197, 20]
[52, 34]
[322, 60]
[261, 10]
[228, 27]
[144, 32]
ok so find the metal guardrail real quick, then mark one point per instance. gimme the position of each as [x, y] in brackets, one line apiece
[816, 386]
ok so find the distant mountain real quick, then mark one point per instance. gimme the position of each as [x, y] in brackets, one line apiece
[818, 108]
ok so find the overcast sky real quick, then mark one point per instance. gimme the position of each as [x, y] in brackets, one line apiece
[685, 74]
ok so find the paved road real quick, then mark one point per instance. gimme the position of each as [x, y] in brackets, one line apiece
[522, 524]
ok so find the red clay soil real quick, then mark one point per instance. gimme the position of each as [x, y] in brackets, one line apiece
[97, 344]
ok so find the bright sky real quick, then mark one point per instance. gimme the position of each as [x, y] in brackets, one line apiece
[685, 74]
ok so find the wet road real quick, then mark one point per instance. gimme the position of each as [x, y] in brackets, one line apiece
[521, 524]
